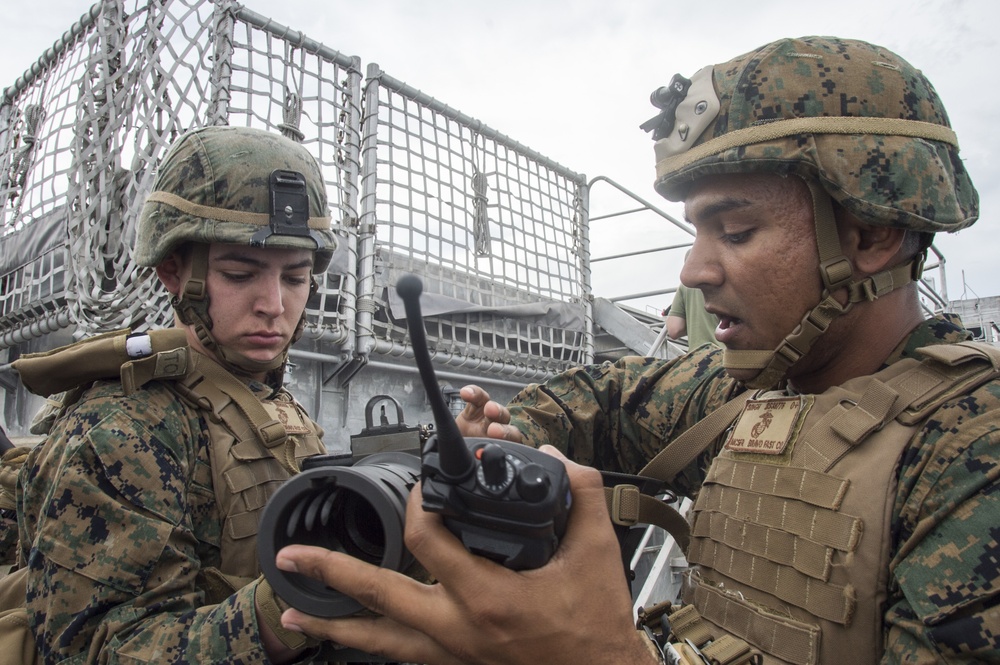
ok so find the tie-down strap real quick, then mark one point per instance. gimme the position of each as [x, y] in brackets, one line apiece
[628, 507]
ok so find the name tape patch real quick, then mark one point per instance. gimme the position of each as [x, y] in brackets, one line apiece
[765, 427]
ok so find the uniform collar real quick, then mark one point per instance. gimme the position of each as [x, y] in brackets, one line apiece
[940, 329]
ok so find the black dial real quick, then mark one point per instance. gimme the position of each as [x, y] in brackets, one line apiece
[495, 472]
[533, 483]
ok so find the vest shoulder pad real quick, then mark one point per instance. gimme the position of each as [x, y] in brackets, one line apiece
[100, 357]
[957, 370]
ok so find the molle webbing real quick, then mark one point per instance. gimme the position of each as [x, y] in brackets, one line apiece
[821, 599]
[789, 640]
[779, 536]
[767, 541]
[687, 625]
[806, 556]
[821, 524]
[806, 485]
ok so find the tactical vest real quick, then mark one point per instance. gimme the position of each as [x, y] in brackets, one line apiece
[255, 445]
[790, 536]
[252, 454]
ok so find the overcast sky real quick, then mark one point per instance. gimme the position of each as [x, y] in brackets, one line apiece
[571, 79]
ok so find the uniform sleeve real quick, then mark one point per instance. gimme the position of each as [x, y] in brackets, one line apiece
[10, 465]
[677, 307]
[8, 536]
[618, 416]
[946, 607]
[113, 559]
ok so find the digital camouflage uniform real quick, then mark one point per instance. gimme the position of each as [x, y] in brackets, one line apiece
[127, 525]
[10, 464]
[943, 604]
[138, 515]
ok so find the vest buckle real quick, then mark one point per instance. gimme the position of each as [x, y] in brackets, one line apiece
[625, 505]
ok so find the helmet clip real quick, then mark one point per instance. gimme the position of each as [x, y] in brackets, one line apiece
[289, 208]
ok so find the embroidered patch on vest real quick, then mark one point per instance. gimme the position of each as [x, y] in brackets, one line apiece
[172, 363]
[287, 415]
[765, 427]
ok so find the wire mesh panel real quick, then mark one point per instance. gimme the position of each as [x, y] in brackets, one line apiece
[38, 118]
[81, 133]
[496, 231]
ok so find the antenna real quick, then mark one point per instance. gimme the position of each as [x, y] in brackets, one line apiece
[456, 460]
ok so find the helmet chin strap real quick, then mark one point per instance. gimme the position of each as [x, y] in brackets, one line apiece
[192, 309]
[836, 271]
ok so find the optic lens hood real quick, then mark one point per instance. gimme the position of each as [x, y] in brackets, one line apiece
[359, 510]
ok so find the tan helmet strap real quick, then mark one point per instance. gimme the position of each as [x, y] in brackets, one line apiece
[775, 364]
[879, 284]
[191, 304]
[835, 268]
[836, 271]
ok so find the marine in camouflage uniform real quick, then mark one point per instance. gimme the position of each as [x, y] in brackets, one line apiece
[868, 133]
[942, 606]
[130, 556]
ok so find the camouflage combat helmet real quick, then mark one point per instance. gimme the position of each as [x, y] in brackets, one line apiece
[860, 125]
[217, 184]
[240, 186]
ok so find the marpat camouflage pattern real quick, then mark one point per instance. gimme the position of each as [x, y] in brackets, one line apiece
[944, 604]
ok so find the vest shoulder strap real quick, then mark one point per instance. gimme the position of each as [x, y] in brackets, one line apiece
[947, 371]
[216, 390]
[695, 440]
[628, 506]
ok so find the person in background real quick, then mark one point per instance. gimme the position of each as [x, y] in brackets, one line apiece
[687, 316]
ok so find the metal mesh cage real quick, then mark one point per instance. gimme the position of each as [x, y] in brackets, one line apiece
[495, 230]
[81, 134]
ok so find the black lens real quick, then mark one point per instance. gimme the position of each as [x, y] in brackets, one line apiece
[359, 529]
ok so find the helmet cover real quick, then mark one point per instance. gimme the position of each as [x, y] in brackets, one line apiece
[879, 141]
[216, 184]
